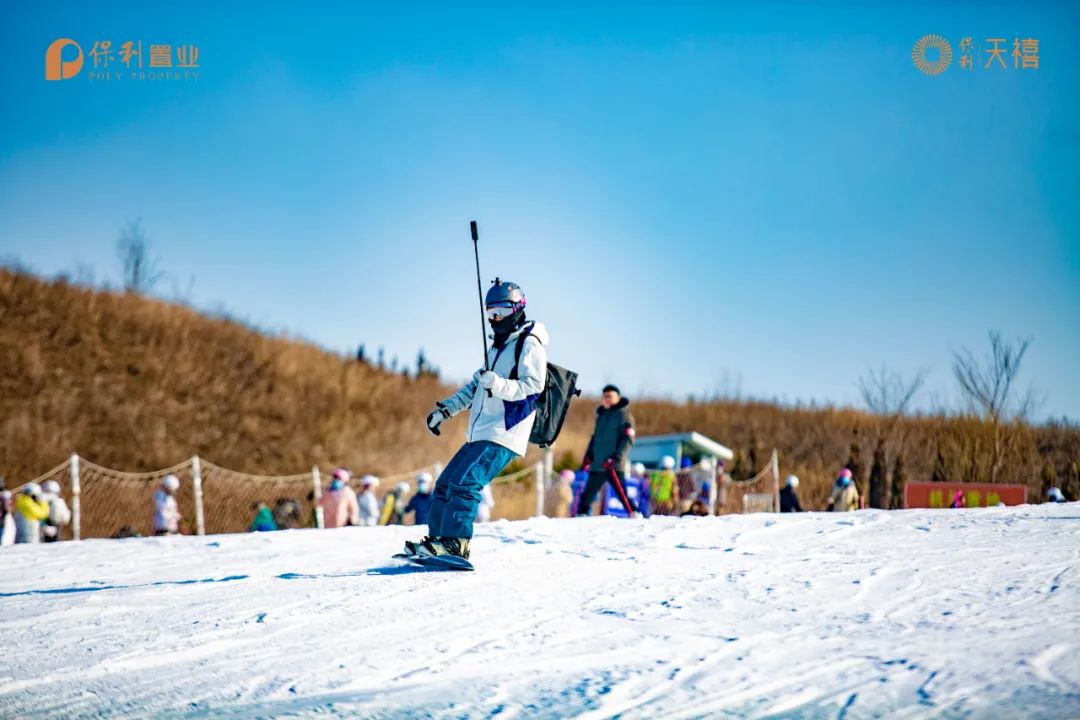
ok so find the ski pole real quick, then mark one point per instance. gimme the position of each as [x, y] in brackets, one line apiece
[630, 509]
[479, 291]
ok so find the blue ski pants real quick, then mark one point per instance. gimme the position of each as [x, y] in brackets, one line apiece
[457, 491]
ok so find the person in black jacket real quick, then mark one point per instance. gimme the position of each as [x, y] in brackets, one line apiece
[610, 442]
[789, 499]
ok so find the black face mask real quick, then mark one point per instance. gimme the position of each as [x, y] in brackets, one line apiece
[503, 328]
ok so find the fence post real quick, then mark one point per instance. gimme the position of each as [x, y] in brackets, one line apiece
[549, 466]
[196, 484]
[316, 489]
[776, 481]
[539, 490]
[76, 504]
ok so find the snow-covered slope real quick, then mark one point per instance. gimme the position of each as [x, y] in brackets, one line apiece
[904, 614]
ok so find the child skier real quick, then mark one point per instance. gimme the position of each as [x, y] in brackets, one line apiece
[166, 512]
[502, 413]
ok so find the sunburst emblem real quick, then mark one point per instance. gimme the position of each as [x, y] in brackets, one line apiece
[927, 42]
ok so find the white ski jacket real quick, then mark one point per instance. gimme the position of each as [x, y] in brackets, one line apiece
[507, 417]
[369, 509]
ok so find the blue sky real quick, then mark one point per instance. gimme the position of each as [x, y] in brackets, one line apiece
[763, 199]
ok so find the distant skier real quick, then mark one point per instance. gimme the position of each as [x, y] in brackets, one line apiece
[501, 418]
[30, 510]
[664, 488]
[166, 512]
[264, 519]
[369, 504]
[393, 510]
[339, 505]
[420, 503]
[845, 497]
[59, 514]
[612, 437]
[1055, 495]
[789, 498]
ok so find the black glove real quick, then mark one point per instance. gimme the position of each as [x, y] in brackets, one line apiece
[436, 417]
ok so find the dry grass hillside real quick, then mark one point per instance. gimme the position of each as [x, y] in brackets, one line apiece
[138, 384]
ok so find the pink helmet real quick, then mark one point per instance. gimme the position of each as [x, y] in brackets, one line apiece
[845, 473]
[342, 474]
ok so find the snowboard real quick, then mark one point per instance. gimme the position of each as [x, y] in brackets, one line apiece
[442, 562]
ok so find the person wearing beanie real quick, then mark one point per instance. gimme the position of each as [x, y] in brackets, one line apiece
[612, 437]
[845, 496]
[789, 498]
[369, 504]
[339, 505]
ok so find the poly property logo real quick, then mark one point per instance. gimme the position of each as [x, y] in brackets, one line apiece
[64, 60]
[933, 54]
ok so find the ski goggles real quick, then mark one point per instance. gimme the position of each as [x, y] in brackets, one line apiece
[495, 313]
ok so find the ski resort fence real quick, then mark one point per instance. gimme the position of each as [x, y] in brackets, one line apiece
[213, 499]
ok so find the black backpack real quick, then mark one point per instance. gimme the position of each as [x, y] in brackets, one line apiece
[554, 401]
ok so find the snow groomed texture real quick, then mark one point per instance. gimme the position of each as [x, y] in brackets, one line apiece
[906, 614]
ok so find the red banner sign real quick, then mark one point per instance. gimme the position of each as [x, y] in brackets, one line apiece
[944, 494]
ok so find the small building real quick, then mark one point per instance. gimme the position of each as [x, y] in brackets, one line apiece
[651, 448]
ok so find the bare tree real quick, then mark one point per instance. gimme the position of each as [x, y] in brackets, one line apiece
[888, 395]
[988, 386]
[141, 269]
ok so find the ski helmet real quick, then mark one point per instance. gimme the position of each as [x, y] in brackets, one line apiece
[52, 487]
[423, 481]
[1056, 495]
[503, 296]
[668, 463]
[31, 489]
[638, 469]
[342, 474]
[706, 463]
[369, 480]
[792, 481]
[170, 482]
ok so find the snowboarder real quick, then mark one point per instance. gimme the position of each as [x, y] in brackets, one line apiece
[59, 514]
[338, 503]
[611, 440]
[166, 512]
[502, 413]
[789, 498]
[30, 510]
[420, 503]
[369, 505]
[845, 497]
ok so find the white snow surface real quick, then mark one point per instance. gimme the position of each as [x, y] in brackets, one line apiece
[961, 613]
